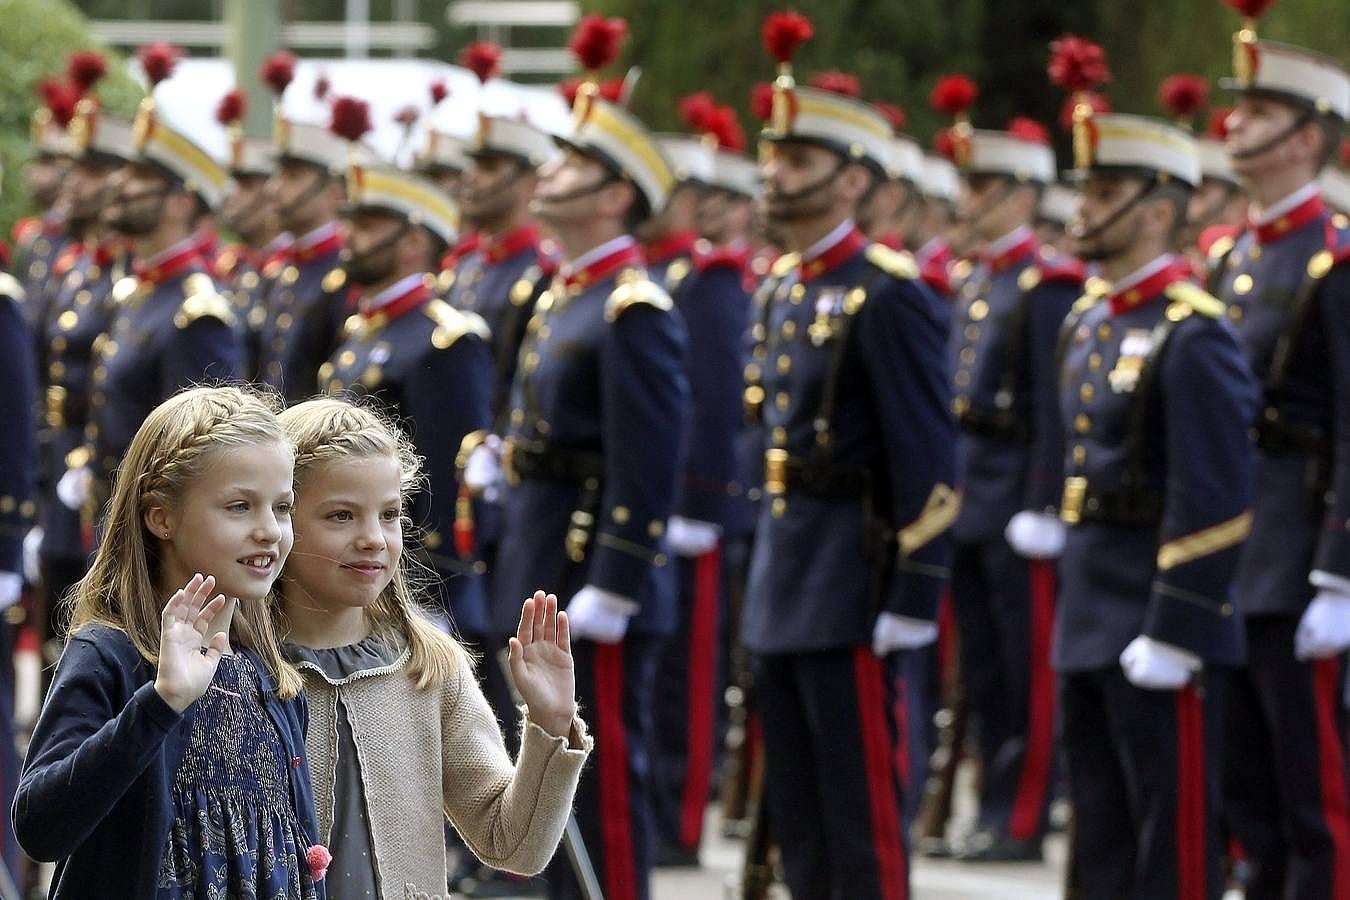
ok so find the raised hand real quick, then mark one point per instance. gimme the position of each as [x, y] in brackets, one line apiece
[187, 658]
[541, 665]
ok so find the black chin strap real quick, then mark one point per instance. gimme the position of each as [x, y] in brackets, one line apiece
[502, 188]
[1303, 119]
[1116, 216]
[811, 188]
[580, 192]
[993, 203]
[378, 248]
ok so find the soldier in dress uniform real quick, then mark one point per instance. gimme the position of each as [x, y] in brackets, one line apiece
[1219, 206]
[444, 160]
[592, 458]
[38, 239]
[18, 479]
[939, 189]
[712, 299]
[80, 310]
[887, 212]
[1155, 396]
[1286, 791]
[428, 364]
[1335, 184]
[668, 237]
[1059, 203]
[1002, 360]
[245, 271]
[171, 328]
[851, 549]
[309, 300]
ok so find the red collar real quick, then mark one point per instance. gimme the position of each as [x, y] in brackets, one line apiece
[417, 295]
[208, 242]
[172, 267]
[891, 239]
[938, 251]
[466, 245]
[681, 243]
[508, 245]
[733, 256]
[66, 258]
[845, 249]
[1012, 255]
[628, 255]
[1292, 221]
[106, 253]
[324, 247]
[1149, 289]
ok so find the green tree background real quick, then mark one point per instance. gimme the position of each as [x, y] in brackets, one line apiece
[898, 48]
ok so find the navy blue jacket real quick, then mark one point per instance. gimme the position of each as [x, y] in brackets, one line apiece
[95, 795]
[1165, 572]
[824, 566]
[714, 304]
[1292, 533]
[430, 369]
[18, 452]
[165, 336]
[1333, 548]
[1002, 358]
[306, 307]
[602, 372]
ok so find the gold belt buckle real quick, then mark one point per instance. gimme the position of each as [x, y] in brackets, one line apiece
[775, 471]
[1071, 506]
[56, 406]
[508, 462]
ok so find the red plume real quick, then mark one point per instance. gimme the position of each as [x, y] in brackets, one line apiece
[1096, 102]
[842, 83]
[1218, 123]
[278, 70]
[60, 97]
[438, 91]
[944, 145]
[351, 118]
[407, 116]
[784, 32]
[1077, 64]
[596, 40]
[696, 109]
[723, 125]
[894, 114]
[612, 90]
[158, 61]
[231, 108]
[482, 58]
[321, 88]
[85, 68]
[1028, 130]
[761, 101]
[953, 95]
[1252, 9]
[1183, 95]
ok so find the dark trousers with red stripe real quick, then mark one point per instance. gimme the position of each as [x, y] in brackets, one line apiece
[833, 799]
[615, 689]
[1143, 774]
[1004, 608]
[1285, 783]
[688, 694]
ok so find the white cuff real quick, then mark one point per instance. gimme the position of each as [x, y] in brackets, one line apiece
[894, 632]
[1330, 582]
[1036, 535]
[11, 589]
[690, 537]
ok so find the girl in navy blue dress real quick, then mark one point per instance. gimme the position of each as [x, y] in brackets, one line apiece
[168, 761]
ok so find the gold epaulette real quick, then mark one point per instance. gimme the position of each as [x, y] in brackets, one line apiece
[453, 324]
[896, 263]
[200, 300]
[1195, 299]
[784, 264]
[471, 442]
[10, 287]
[640, 292]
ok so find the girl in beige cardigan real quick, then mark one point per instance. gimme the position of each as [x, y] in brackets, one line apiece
[400, 735]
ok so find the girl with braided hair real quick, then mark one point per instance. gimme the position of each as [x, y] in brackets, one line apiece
[400, 735]
[169, 760]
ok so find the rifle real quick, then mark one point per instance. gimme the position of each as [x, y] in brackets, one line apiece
[757, 873]
[930, 825]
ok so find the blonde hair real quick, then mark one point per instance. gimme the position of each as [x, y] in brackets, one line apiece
[175, 444]
[328, 430]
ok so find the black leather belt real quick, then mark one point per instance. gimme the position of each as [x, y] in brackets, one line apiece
[522, 461]
[998, 425]
[784, 474]
[1122, 507]
[1281, 438]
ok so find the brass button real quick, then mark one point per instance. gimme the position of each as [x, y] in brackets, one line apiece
[978, 310]
[285, 320]
[1079, 454]
[621, 514]
[784, 364]
[1255, 252]
[1086, 392]
[962, 378]
[789, 329]
[796, 293]
[1082, 424]
[1094, 361]
[1235, 313]
[968, 355]
[1103, 331]
[347, 358]
[972, 332]
[779, 508]
[1242, 284]
[57, 370]
[517, 417]
[83, 298]
[779, 435]
[59, 344]
[782, 401]
[68, 320]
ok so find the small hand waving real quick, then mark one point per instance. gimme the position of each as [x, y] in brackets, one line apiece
[188, 656]
[541, 664]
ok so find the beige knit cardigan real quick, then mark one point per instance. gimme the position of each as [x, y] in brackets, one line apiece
[426, 755]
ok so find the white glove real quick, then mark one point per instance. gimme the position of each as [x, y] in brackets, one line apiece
[483, 471]
[599, 614]
[1035, 535]
[1156, 666]
[75, 487]
[32, 555]
[1324, 629]
[894, 632]
[690, 537]
[11, 589]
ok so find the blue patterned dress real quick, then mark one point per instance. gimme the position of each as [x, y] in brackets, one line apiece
[235, 833]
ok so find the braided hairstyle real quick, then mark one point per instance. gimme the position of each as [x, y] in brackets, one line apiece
[179, 440]
[326, 431]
